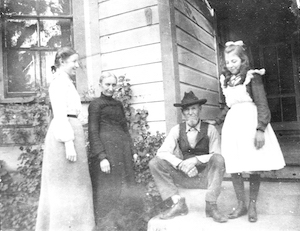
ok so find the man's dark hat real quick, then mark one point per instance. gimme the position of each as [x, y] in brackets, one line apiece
[190, 99]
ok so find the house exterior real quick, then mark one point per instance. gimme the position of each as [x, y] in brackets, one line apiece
[165, 48]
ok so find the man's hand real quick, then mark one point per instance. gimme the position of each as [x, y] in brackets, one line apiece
[259, 140]
[193, 172]
[105, 166]
[188, 166]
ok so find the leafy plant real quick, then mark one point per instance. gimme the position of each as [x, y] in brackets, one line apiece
[20, 192]
[146, 145]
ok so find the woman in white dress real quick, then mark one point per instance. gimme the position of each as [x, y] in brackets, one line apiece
[66, 192]
[248, 142]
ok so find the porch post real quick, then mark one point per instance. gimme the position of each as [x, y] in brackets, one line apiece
[169, 54]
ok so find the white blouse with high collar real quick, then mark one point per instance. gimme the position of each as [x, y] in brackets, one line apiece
[65, 100]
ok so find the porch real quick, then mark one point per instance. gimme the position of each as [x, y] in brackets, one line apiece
[278, 209]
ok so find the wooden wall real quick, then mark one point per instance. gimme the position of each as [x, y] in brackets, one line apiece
[197, 55]
[165, 48]
[130, 45]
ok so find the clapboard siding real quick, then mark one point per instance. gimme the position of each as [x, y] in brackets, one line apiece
[150, 92]
[195, 45]
[202, 8]
[116, 7]
[195, 16]
[132, 38]
[142, 74]
[196, 53]
[194, 30]
[128, 21]
[130, 46]
[209, 112]
[186, 58]
[158, 109]
[212, 97]
[196, 78]
[131, 57]
[157, 126]
[146, 35]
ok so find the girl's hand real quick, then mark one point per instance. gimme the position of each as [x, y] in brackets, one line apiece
[259, 140]
[71, 154]
[105, 166]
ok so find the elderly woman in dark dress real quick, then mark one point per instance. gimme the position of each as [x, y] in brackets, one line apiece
[111, 149]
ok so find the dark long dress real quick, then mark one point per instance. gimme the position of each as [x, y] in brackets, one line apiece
[109, 138]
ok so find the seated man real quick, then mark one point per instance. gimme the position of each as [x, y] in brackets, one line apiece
[190, 157]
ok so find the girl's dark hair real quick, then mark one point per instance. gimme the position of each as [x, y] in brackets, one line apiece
[245, 65]
[62, 54]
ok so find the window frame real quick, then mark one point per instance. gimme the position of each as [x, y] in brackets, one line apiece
[86, 34]
[39, 49]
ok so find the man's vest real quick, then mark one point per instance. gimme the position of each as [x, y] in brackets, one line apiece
[202, 142]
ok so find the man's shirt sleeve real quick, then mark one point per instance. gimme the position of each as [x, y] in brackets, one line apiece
[169, 150]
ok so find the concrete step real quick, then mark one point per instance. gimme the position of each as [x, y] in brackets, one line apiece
[278, 208]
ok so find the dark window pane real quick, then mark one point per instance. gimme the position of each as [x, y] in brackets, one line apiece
[286, 69]
[54, 7]
[21, 33]
[38, 7]
[271, 77]
[21, 7]
[289, 109]
[55, 33]
[275, 108]
[22, 71]
[47, 60]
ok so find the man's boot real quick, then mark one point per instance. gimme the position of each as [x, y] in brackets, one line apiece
[211, 210]
[178, 209]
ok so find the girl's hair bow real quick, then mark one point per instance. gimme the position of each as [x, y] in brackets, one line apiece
[236, 43]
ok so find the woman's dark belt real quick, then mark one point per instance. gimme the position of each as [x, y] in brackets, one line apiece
[73, 116]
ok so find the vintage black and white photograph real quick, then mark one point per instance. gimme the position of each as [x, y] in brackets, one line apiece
[150, 115]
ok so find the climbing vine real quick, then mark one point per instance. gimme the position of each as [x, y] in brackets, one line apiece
[20, 191]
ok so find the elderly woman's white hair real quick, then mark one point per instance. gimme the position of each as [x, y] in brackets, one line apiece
[106, 75]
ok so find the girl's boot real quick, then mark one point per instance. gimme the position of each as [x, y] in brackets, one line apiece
[238, 185]
[254, 189]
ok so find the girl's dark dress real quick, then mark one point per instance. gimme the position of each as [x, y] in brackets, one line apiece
[109, 138]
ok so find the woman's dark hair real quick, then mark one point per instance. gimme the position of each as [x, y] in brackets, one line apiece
[62, 54]
[245, 65]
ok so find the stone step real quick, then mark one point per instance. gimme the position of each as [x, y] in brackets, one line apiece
[278, 209]
[288, 173]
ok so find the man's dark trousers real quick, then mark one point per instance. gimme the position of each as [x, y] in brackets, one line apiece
[210, 177]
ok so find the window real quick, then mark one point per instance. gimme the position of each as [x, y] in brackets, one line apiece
[32, 30]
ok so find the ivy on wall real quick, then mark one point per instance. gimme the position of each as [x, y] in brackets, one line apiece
[20, 191]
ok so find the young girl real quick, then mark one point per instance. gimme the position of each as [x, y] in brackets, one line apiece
[248, 141]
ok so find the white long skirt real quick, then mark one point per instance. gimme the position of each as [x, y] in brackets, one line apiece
[238, 134]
